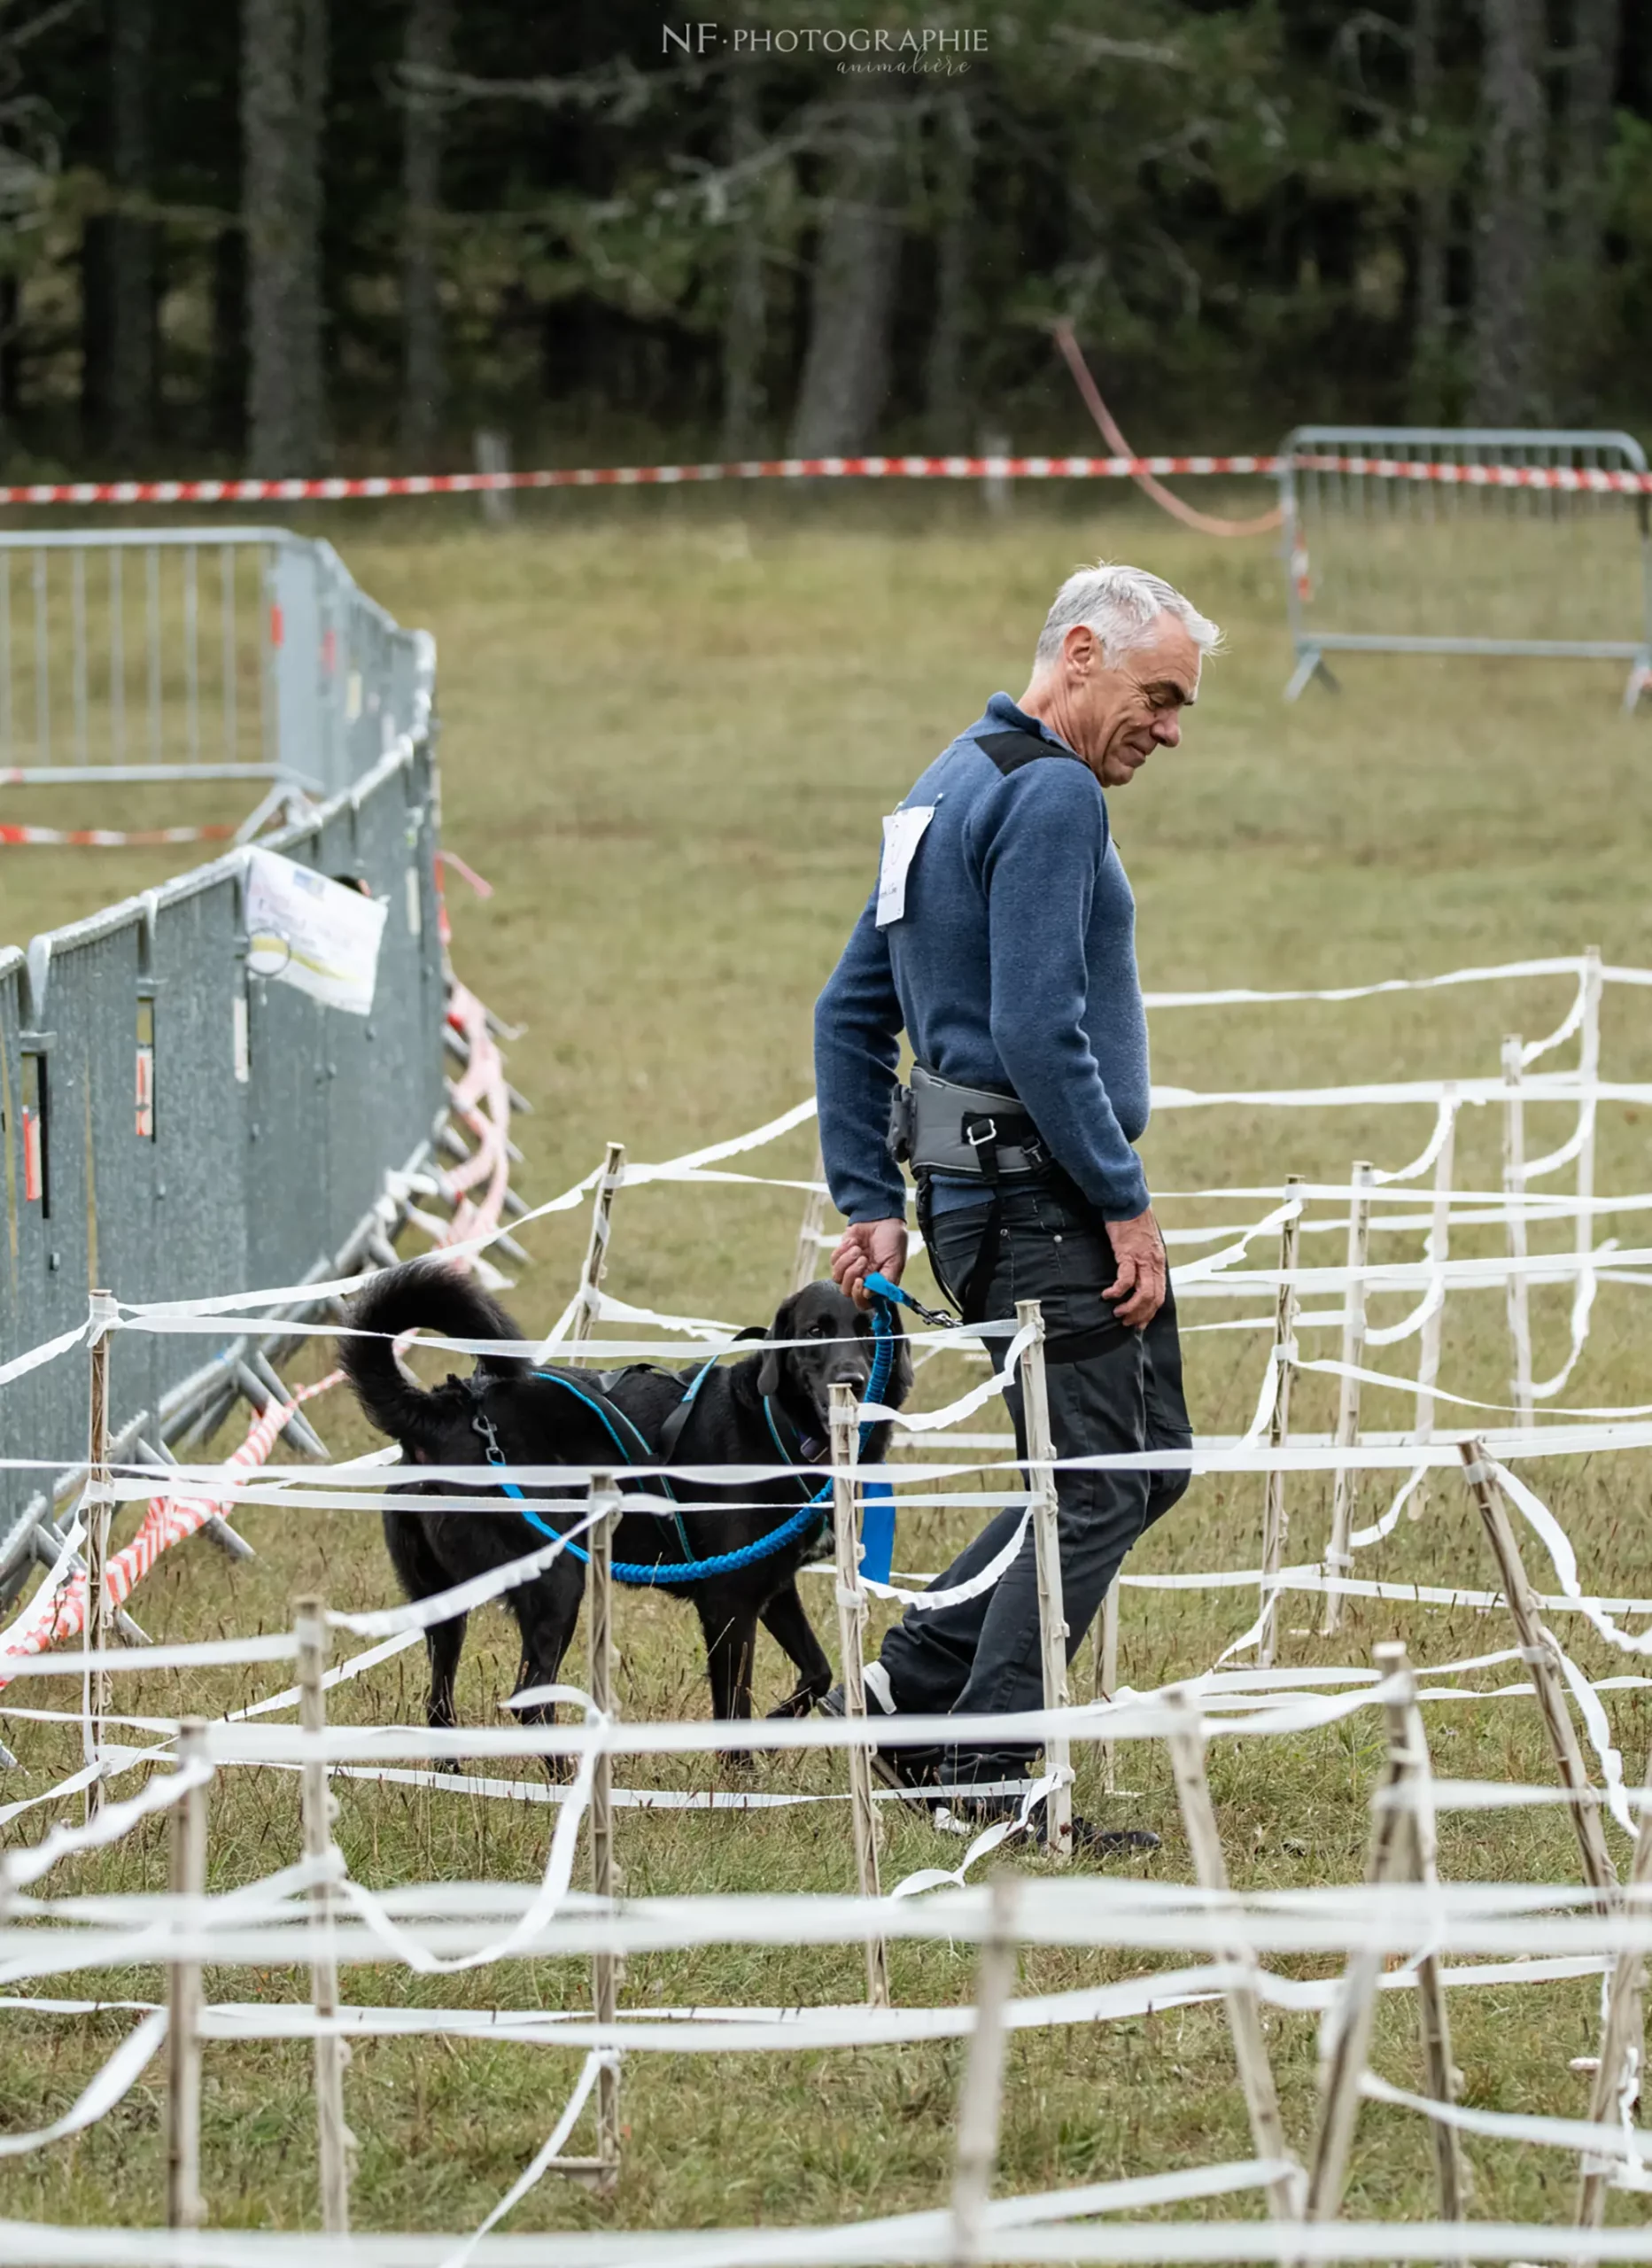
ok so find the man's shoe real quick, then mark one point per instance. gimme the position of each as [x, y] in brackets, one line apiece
[903, 1769]
[973, 1813]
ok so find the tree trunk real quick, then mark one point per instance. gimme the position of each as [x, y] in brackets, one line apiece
[1590, 81]
[1431, 338]
[428, 47]
[226, 385]
[11, 331]
[945, 403]
[845, 370]
[745, 316]
[1510, 230]
[283, 80]
[1577, 299]
[132, 385]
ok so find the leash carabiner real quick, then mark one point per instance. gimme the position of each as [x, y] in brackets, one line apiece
[881, 1288]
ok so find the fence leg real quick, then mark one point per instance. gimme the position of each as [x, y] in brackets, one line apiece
[806, 1260]
[1345, 1487]
[1406, 1733]
[1053, 1629]
[1107, 1679]
[99, 1505]
[981, 2102]
[1244, 2012]
[595, 1266]
[1518, 1292]
[1395, 1854]
[1622, 2035]
[1275, 1521]
[1439, 1252]
[1589, 1072]
[317, 1805]
[851, 1627]
[604, 1873]
[186, 2208]
[1537, 1650]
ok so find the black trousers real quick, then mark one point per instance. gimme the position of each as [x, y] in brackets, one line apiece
[983, 1654]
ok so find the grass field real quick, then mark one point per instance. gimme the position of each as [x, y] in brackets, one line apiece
[667, 732]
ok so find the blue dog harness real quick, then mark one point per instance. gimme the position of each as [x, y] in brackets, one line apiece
[805, 1524]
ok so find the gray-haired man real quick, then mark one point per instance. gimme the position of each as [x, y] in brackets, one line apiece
[1001, 939]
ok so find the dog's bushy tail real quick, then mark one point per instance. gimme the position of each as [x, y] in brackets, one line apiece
[430, 1295]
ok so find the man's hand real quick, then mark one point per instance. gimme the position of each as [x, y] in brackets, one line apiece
[1138, 1253]
[869, 1248]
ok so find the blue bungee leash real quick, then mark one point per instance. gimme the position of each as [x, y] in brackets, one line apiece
[811, 1515]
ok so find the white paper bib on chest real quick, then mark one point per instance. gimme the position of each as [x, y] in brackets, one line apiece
[902, 832]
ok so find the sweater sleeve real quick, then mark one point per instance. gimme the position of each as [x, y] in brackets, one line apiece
[1041, 853]
[857, 1027]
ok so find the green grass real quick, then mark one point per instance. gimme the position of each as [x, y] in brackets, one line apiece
[667, 732]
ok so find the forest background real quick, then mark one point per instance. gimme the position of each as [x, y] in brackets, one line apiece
[296, 236]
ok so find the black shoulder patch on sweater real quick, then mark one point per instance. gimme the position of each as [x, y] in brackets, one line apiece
[1011, 749]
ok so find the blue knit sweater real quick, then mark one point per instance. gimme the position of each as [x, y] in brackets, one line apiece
[1013, 965]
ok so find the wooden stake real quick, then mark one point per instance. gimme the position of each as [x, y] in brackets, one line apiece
[1623, 2033]
[806, 1260]
[1439, 1252]
[981, 2100]
[1516, 1290]
[1275, 1521]
[1537, 1650]
[1589, 1072]
[99, 1502]
[1395, 1854]
[317, 1809]
[186, 2208]
[851, 1630]
[1107, 1679]
[1345, 1487]
[1052, 1628]
[601, 2173]
[604, 1873]
[1244, 2012]
[595, 1264]
[1405, 1732]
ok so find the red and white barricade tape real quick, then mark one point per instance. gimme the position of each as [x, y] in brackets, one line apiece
[1591, 480]
[59, 1613]
[481, 1102]
[625, 476]
[107, 838]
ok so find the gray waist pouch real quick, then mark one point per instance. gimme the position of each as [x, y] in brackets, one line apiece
[976, 1133]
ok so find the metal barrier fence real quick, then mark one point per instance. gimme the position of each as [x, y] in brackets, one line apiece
[1387, 561]
[193, 654]
[173, 1124]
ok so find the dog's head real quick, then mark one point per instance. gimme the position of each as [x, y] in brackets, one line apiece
[837, 1346]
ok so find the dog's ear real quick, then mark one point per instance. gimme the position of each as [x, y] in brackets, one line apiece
[768, 1376]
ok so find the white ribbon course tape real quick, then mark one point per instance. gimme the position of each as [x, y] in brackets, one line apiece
[444, 1928]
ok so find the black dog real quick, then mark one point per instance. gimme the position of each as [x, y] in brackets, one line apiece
[775, 1402]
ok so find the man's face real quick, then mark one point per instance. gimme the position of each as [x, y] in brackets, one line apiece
[1120, 711]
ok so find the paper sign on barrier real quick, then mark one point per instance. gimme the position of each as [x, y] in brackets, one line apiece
[308, 931]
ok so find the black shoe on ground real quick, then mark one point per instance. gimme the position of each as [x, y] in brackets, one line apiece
[905, 1770]
[971, 1814]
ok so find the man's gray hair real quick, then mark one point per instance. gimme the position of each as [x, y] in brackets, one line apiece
[1120, 604]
